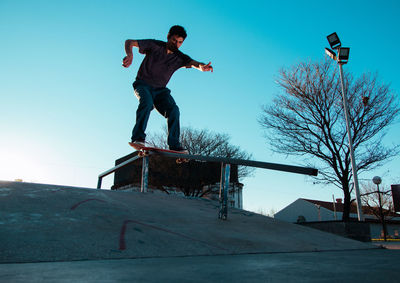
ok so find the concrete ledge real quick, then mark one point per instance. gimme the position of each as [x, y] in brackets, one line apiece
[355, 230]
[44, 223]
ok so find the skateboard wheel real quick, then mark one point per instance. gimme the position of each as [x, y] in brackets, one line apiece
[182, 160]
[142, 153]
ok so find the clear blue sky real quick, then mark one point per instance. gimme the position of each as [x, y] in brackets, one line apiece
[67, 105]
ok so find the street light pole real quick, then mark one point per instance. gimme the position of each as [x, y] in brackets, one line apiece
[352, 158]
[377, 180]
[341, 58]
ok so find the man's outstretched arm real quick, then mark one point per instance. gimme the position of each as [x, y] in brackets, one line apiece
[200, 66]
[129, 43]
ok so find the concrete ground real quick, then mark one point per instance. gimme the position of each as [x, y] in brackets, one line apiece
[343, 266]
[55, 233]
[388, 245]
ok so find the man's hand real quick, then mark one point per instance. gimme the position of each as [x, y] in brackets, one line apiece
[206, 68]
[200, 66]
[127, 61]
[129, 43]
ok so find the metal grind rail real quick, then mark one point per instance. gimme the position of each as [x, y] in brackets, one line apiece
[225, 171]
[112, 170]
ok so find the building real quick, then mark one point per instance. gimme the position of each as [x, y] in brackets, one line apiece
[194, 178]
[307, 210]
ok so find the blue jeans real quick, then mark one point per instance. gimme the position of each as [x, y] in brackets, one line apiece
[161, 99]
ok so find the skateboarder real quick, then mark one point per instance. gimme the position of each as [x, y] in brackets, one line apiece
[161, 60]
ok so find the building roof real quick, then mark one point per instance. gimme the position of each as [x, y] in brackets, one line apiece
[329, 205]
[340, 206]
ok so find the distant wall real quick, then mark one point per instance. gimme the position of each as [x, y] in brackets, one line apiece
[355, 230]
[392, 230]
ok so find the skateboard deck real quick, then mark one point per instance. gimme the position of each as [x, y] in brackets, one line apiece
[144, 149]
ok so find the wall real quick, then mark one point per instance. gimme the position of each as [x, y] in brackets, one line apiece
[307, 209]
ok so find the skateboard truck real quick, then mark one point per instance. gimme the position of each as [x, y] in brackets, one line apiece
[145, 151]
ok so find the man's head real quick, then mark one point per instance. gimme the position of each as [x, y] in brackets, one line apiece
[176, 36]
[177, 30]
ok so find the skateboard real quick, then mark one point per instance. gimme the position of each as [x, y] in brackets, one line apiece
[144, 150]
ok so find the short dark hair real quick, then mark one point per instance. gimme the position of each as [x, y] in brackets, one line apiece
[177, 30]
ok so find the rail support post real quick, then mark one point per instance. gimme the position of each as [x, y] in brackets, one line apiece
[223, 191]
[99, 183]
[145, 174]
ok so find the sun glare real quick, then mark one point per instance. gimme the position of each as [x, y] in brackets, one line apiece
[22, 167]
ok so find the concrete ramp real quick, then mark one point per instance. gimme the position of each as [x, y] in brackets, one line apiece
[57, 223]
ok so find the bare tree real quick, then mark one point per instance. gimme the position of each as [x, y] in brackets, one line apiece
[306, 119]
[205, 142]
[379, 203]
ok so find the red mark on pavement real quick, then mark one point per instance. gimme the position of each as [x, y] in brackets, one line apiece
[79, 203]
[122, 244]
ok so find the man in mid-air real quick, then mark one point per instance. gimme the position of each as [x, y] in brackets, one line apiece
[161, 60]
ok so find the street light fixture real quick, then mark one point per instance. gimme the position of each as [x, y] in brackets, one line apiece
[330, 53]
[343, 54]
[341, 58]
[334, 40]
[377, 180]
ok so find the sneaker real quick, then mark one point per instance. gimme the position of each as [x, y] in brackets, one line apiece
[138, 142]
[179, 149]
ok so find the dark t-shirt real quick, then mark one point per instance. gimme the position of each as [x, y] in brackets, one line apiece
[158, 66]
